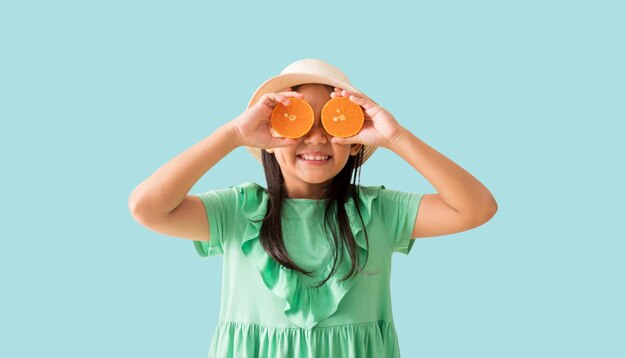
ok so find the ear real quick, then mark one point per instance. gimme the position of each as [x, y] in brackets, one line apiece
[354, 148]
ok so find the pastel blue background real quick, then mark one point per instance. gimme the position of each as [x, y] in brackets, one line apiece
[528, 96]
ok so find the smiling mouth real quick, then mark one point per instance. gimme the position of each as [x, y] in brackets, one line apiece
[322, 158]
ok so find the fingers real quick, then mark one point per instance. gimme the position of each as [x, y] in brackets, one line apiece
[287, 92]
[272, 99]
[339, 92]
[291, 94]
[358, 98]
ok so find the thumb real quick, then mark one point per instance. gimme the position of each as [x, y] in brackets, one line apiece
[282, 142]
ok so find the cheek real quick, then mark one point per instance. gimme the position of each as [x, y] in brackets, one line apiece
[342, 154]
[340, 158]
[285, 158]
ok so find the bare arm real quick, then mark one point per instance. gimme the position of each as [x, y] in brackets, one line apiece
[457, 189]
[461, 203]
[162, 203]
[166, 188]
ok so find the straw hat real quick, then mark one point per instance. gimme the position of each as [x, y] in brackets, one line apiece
[301, 72]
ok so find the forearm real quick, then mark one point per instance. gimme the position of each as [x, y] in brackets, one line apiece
[458, 188]
[168, 186]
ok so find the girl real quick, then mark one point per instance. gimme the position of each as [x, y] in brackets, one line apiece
[307, 261]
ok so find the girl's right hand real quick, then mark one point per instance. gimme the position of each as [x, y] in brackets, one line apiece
[253, 125]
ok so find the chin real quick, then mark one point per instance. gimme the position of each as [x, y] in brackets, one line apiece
[316, 180]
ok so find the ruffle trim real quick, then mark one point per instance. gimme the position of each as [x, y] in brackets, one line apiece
[247, 340]
[305, 306]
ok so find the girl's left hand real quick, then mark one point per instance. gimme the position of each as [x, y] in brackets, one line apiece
[380, 127]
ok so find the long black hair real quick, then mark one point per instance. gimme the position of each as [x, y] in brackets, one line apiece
[340, 190]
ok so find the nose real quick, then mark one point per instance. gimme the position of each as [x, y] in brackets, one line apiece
[316, 135]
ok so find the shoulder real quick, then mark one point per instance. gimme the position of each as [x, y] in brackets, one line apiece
[380, 196]
[243, 190]
[370, 190]
[251, 190]
[369, 193]
[252, 199]
[367, 197]
[250, 185]
[241, 196]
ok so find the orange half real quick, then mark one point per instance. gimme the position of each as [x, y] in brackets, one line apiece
[294, 120]
[342, 117]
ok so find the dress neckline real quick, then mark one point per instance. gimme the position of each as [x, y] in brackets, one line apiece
[303, 305]
[305, 200]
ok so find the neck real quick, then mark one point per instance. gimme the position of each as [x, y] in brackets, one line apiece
[315, 191]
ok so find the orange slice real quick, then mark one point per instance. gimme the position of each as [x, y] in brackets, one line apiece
[342, 117]
[294, 120]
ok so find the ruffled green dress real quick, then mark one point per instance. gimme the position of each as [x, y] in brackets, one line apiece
[268, 310]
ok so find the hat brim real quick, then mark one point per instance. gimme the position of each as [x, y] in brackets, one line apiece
[281, 82]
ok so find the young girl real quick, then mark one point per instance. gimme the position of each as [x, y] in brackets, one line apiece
[307, 261]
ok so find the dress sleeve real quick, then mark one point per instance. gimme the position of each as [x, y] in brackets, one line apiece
[399, 211]
[220, 207]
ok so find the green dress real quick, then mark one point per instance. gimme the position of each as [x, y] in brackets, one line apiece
[268, 310]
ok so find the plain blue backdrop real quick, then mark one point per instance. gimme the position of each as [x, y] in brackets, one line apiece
[527, 96]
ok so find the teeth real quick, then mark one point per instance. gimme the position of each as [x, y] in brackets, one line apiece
[308, 157]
